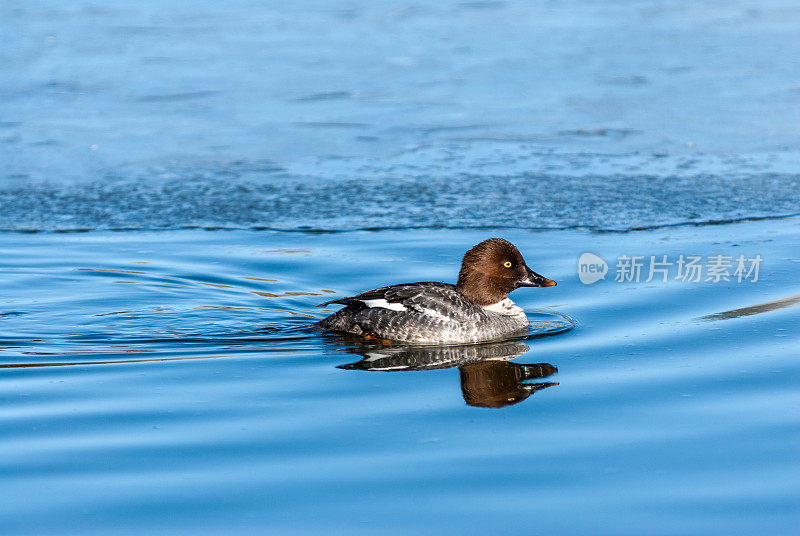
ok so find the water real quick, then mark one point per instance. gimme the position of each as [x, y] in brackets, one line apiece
[181, 186]
[190, 391]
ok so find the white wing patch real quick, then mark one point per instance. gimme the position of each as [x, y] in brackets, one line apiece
[384, 304]
[394, 306]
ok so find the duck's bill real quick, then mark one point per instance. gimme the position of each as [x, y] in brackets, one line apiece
[535, 280]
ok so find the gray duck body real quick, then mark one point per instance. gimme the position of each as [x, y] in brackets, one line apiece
[425, 312]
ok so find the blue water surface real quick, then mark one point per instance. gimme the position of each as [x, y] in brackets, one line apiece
[195, 399]
[183, 183]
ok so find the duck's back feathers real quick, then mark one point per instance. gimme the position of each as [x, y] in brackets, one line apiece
[427, 297]
[392, 293]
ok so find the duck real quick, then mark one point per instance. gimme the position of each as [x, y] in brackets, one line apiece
[476, 309]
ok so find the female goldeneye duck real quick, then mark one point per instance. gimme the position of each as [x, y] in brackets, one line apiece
[476, 308]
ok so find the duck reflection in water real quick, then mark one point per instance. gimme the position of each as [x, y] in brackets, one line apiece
[488, 378]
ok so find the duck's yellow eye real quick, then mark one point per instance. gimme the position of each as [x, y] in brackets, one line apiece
[507, 264]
